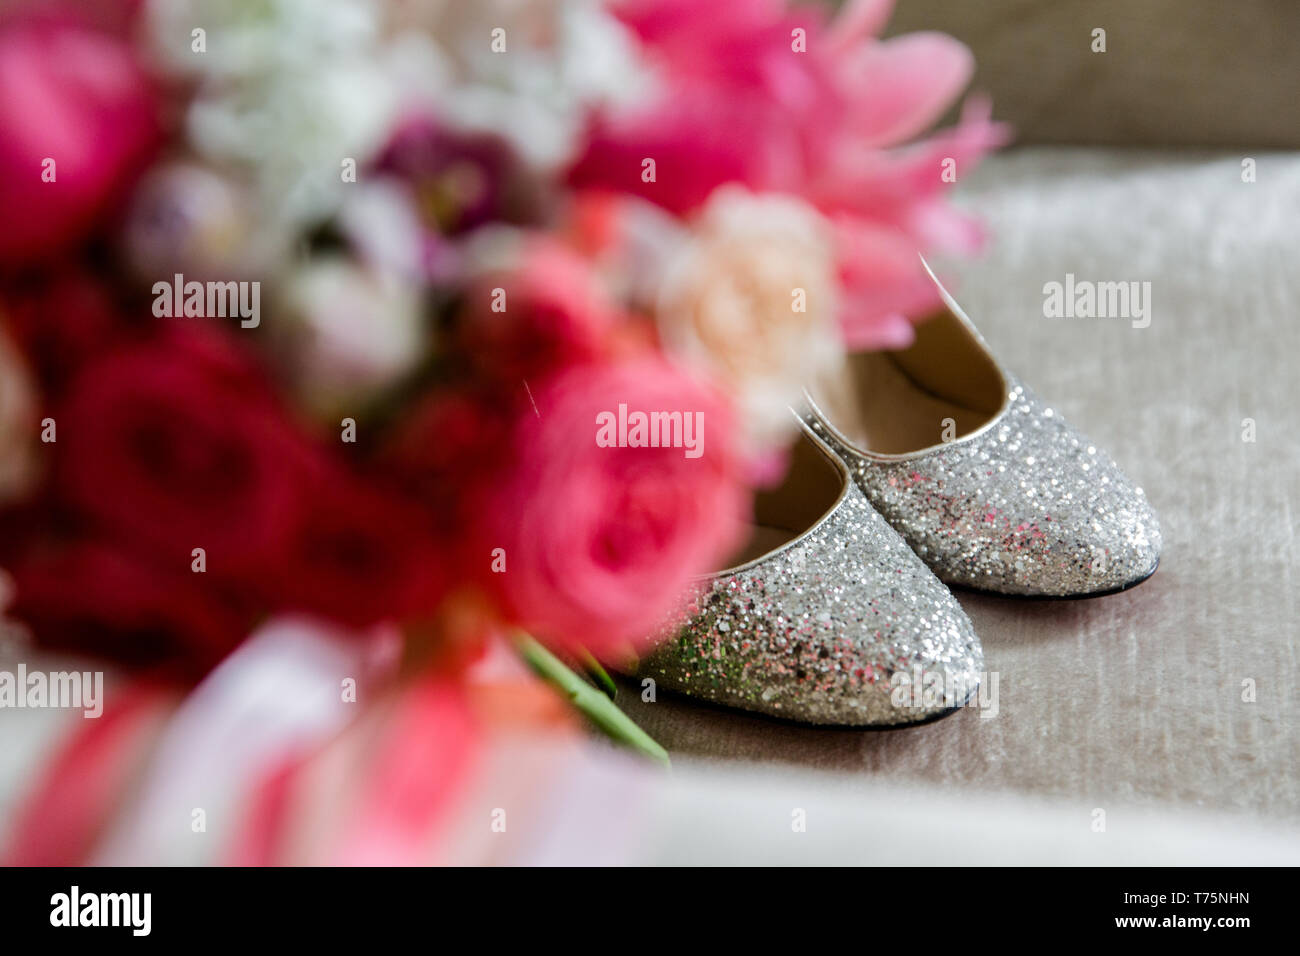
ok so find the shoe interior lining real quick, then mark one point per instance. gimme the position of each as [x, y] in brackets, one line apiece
[893, 403]
[810, 489]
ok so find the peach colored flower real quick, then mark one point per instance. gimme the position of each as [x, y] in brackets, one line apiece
[752, 298]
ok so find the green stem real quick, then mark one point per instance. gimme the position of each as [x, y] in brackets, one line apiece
[598, 675]
[593, 704]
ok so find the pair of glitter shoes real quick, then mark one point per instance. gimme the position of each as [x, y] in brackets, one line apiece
[839, 613]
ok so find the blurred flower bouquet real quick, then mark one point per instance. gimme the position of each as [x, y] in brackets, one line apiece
[432, 322]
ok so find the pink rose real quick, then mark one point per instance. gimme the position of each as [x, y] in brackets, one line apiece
[74, 96]
[599, 543]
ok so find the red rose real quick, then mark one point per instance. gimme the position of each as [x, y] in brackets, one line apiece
[448, 448]
[358, 556]
[62, 319]
[96, 599]
[546, 312]
[176, 445]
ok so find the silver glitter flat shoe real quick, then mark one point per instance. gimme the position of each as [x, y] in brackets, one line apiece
[827, 618]
[990, 486]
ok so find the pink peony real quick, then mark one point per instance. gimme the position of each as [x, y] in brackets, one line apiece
[599, 542]
[743, 101]
[73, 95]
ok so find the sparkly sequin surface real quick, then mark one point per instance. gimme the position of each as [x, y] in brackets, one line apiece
[1026, 506]
[817, 631]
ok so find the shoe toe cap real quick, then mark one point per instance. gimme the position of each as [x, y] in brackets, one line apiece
[1031, 507]
[938, 671]
[834, 631]
[892, 660]
[1117, 549]
[1112, 546]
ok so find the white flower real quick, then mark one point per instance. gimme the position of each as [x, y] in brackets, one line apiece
[351, 333]
[286, 92]
[246, 38]
[188, 218]
[380, 221]
[752, 298]
[530, 70]
[293, 132]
